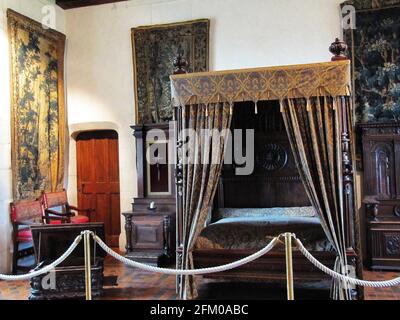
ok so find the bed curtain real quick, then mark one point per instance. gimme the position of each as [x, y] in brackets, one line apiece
[201, 172]
[314, 131]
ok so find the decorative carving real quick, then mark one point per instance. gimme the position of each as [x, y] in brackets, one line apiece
[167, 233]
[383, 155]
[397, 211]
[393, 244]
[338, 49]
[272, 157]
[372, 210]
[69, 285]
[380, 128]
[348, 179]
[128, 230]
[179, 266]
[179, 163]
[180, 64]
[179, 257]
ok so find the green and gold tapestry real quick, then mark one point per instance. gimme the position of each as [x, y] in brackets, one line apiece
[375, 50]
[371, 4]
[154, 50]
[37, 106]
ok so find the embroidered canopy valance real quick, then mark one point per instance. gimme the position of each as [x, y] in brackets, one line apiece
[273, 83]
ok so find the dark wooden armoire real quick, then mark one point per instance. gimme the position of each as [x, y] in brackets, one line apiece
[381, 184]
[150, 229]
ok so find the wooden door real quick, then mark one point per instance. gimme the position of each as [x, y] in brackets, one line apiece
[98, 179]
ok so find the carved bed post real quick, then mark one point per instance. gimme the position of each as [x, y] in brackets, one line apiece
[352, 236]
[348, 176]
[180, 65]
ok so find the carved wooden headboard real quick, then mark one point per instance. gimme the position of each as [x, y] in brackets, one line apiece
[275, 181]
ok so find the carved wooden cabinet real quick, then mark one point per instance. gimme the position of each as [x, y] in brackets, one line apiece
[148, 237]
[381, 157]
[149, 232]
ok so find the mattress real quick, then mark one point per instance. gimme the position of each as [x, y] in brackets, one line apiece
[255, 228]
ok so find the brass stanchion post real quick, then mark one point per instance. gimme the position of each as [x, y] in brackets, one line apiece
[289, 266]
[88, 271]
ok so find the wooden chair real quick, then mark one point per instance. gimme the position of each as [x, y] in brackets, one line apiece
[57, 209]
[24, 214]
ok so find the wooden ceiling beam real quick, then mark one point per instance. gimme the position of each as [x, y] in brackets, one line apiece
[70, 4]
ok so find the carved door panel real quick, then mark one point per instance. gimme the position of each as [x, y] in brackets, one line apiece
[383, 169]
[98, 179]
[148, 232]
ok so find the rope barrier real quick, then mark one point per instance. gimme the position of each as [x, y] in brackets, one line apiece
[193, 272]
[248, 259]
[338, 276]
[233, 265]
[45, 269]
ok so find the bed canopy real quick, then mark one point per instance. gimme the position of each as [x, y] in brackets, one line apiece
[317, 111]
[272, 83]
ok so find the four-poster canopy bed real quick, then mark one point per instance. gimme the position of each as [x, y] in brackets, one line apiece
[302, 180]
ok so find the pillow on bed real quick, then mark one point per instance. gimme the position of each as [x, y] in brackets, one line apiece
[257, 212]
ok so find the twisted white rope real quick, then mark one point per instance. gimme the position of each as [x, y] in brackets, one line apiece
[149, 268]
[338, 276]
[233, 265]
[46, 268]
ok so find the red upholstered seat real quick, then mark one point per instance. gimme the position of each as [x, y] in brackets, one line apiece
[55, 221]
[79, 219]
[74, 219]
[24, 235]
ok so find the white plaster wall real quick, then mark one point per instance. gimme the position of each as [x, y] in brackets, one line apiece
[32, 9]
[244, 34]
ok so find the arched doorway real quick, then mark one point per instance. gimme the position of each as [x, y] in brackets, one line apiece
[98, 179]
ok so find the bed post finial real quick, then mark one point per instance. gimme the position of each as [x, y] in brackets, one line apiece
[338, 49]
[180, 64]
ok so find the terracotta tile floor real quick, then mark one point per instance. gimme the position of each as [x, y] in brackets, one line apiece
[391, 293]
[131, 284]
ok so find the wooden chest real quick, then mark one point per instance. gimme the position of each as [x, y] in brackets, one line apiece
[148, 237]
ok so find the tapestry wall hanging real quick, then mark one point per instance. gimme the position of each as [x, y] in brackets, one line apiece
[154, 50]
[37, 107]
[374, 47]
